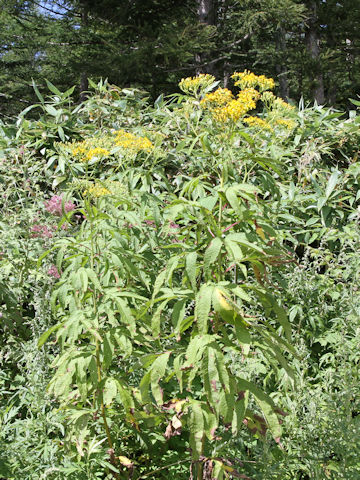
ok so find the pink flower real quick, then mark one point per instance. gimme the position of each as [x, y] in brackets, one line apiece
[54, 205]
[150, 222]
[53, 272]
[40, 231]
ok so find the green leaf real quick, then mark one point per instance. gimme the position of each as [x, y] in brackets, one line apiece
[52, 88]
[190, 268]
[242, 240]
[51, 110]
[38, 94]
[47, 334]
[160, 279]
[333, 180]
[158, 369]
[156, 317]
[239, 411]
[211, 254]
[232, 198]
[125, 396]
[203, 306]
[178, 313]
[196, 347]
[108, 350]
[126, 315]
[196, 426]
[110, 390]
[265, 403]
[83, 278]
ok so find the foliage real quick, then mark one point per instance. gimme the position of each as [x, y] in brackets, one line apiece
[188, 271]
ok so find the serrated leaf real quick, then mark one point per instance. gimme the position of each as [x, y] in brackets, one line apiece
[266, 405]
[125, 396]
[190, 268]
[211, 254]
[108, 350]
[196, 427]
[47, 334]
[156, 317]
[158, 369]
[203, 307]
[110, 390]
[232, 198]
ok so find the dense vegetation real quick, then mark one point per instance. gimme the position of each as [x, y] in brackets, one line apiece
[310, 47]
[179, 286]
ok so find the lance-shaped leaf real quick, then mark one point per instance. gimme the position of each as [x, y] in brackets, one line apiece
[240, 407]
[265, 403]
[47, 334]
[190, 268]
[196, 427]
[211, 254]
[109, 390]
[232, 198]
[125, 396]
[203, 306]
[158, 369]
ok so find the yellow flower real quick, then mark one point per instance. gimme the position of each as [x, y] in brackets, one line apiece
[97, 152]
[131, 142]
[247, 79]
[221, 96]
[89, 148]
[257, 122]
[97, 190]
[225, 107]
[196, 85]
[287, 123]
[279, 104]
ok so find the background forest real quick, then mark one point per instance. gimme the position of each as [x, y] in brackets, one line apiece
[311, 48]
[179, 240]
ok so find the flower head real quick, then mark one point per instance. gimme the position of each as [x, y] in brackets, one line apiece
[196, 85]
[41, 231]
[131, 142]
[55, 205]
[258, 123]
[247, 79]
[53, 272]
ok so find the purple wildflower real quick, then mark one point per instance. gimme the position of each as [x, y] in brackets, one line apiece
[150, 222]
[41, 231]
[54, 205]
[53, 272]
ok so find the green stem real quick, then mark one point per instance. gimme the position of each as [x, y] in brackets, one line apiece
[98, 361]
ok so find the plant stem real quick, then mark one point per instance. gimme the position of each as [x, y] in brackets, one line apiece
[98, 361]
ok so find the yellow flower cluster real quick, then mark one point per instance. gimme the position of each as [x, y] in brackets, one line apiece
[257, 122]
[281, 105]
[287, 123]
[131, 142]
[194, 85]
[97, 152]
[86, 151]
[224, 106]
[97, 190]
[221, 96]
[275, 103]
[247, 79]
